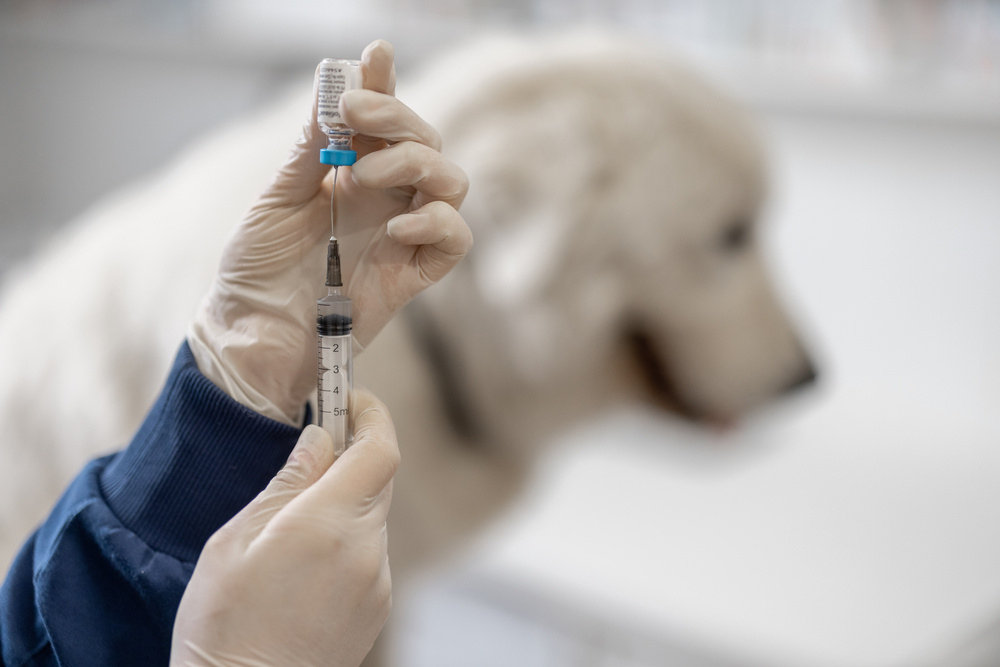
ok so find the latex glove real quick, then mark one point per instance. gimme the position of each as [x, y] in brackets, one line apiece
[399, 231]
[301, 575]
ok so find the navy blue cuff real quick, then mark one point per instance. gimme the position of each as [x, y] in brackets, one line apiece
[198, 459]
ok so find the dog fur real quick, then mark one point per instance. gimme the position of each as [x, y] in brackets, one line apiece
[614, 203]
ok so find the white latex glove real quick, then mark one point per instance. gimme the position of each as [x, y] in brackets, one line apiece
[254, 335]
[301, 575]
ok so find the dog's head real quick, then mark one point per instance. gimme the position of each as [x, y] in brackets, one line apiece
[614, 202]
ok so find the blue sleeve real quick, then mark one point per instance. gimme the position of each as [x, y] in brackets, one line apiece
[100, 581]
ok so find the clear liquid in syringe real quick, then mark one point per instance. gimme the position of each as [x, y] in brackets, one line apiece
[335, 374]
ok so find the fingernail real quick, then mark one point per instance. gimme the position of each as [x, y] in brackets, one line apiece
[393, 226]
[310, 432]
[308, 439]
[314, 448]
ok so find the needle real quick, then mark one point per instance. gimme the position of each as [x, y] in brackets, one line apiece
[332, 192]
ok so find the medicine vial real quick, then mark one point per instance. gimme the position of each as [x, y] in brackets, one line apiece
[335, 78]
[335, 372]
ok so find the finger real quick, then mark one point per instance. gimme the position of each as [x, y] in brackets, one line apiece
[378, 69]
[384, 117]
[301, 177]
[363, 472]
[442, 234]
[312, 457]
[378, 74]
[412, 164]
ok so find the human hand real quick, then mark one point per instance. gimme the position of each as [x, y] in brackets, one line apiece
[301, 575]
[399, 231]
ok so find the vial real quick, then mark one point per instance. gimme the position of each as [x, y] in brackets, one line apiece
[335, 78]
[335, 371]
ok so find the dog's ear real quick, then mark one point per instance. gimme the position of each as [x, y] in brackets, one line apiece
[526, 209]
[509, 276]
[515, 264]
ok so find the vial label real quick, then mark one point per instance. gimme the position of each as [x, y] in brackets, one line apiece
[335, 389]
[334, 79]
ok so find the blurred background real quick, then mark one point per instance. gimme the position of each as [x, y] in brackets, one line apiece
[856, 524]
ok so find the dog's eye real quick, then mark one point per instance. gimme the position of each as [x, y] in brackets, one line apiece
[736, 237]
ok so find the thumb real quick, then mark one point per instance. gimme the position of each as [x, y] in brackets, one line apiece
[313, 455]
[301, 177]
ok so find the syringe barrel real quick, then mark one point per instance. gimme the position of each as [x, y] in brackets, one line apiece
[335, 373]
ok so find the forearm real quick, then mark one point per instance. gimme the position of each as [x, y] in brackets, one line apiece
[100, 581]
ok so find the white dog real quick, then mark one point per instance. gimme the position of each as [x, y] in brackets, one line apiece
[614, 199]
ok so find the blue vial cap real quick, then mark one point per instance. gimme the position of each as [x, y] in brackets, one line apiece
[338, 158]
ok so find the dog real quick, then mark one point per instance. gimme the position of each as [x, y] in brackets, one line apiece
[615, 200]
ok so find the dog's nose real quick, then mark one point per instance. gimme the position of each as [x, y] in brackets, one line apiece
[804, 379]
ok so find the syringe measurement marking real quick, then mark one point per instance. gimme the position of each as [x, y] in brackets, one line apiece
[330, 386]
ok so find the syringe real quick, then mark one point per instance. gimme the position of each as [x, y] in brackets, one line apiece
[333, 312]
[335, 372]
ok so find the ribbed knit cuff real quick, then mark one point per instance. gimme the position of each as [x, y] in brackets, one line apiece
[197, 460]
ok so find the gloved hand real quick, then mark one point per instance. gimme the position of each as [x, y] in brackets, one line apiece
[301, 575]
[254, 335]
